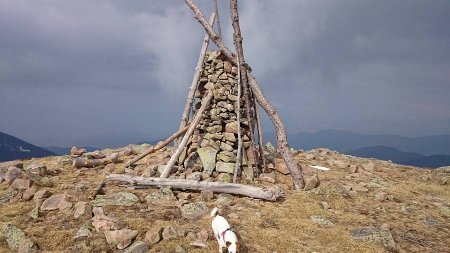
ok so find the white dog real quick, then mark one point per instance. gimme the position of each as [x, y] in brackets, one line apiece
[225, 237]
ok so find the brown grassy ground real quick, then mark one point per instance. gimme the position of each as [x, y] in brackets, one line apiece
[280, 227]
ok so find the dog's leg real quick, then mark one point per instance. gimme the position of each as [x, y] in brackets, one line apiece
[218, 242]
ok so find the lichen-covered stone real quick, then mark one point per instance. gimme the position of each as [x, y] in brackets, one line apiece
[195, 210]
[17, 240]
[225, 167]
[208, 158]
[116, 199]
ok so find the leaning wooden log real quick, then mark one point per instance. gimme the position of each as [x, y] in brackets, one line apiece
[296, 173]
[195, 121]
[91, 163]
[158, 146]
[271, 194]
[243, 70]
[196, 78]
[97, 190]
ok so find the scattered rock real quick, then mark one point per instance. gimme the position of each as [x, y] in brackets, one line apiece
[321, 220]
[281, 167]
[180, 249]
[37, 169]
[76, 152]
[169, 233]
[56, 202]
[312, 183]
[21, 184]
[12, 174]
[381, 196]
[324, 205]
[29, 193]
[354, 168]
[116, 199]
[17, 240]
[41, 194]
[445, 169]
[202, 236]
[154, 236]
[196, 176]
[137, 247]
[443, 181]
[224, 200]
[194, 211]
[184, 195]
[268, 177]
[34, 213]
[80, 209]
[82, 233]
[162, 195]
[198, 244]
[207, 195]
[120, 238]
[374, 234]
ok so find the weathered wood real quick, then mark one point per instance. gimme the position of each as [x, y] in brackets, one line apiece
[196, 78]
[271, 194]
[296, 173]
[243, 70]
[260, 137]
[158, 146]
[91, 163]
[195, 121]
[97, 190]
[238, 113]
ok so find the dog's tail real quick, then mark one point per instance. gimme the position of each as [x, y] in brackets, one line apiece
[214, 211]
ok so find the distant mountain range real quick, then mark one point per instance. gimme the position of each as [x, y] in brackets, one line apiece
[345, 141]
[400, 157]
[429, 151]
[12, 148]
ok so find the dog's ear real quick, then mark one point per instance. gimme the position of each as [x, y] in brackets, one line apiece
[228, 244]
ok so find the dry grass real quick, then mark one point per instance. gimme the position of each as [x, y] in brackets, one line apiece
[265, 227]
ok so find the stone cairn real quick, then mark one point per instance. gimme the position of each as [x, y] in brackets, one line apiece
[212, 149]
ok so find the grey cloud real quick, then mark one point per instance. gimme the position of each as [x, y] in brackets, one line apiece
[371, 66]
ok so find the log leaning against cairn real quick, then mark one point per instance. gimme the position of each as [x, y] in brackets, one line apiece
[223, 90]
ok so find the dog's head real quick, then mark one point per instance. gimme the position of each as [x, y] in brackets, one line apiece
[233, 247]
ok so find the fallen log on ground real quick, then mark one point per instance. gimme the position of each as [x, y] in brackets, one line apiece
[91, 163]
[270, 194]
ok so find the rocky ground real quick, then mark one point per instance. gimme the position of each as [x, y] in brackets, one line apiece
[359, 205]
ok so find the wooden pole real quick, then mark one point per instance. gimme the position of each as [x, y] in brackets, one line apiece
[196, 78]
[270, 194]
[238, 113]
[158, 146]
[195, 121]
[243, 70]
[260, 136]
[296, 173]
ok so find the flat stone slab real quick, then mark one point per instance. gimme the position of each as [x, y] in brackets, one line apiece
[116, 199]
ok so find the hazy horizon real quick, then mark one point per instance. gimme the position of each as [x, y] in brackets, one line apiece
[74, 70]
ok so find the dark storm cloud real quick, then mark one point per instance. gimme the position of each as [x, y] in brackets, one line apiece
[72, 69]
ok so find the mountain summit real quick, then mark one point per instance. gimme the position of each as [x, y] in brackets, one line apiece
[12, 148]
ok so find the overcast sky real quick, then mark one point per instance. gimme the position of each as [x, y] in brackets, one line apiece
[70, 70]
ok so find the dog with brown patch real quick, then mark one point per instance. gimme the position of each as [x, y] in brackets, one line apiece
[226, 238]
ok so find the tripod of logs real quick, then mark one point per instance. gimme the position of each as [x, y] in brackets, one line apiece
[249, 95]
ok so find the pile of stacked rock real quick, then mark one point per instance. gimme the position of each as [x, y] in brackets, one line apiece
[212, 150]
